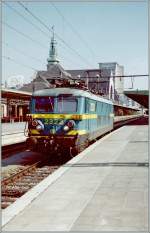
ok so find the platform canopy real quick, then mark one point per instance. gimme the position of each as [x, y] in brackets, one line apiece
[140, 96]
[15, 94]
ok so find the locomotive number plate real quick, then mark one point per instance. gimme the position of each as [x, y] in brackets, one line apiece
[53, 122]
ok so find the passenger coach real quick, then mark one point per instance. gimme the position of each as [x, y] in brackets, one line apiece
[67, 119]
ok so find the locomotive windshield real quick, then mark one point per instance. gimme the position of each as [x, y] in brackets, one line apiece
[44, 104]
[66, 104]
[60, 104]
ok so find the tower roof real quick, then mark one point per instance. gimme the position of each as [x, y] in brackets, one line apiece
[52, 59]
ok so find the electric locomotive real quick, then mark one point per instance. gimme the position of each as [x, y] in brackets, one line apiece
[67, 119]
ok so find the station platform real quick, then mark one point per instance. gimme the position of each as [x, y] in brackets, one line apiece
[13, 133]
[104, 188]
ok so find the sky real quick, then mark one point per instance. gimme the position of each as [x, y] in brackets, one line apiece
[94, 32]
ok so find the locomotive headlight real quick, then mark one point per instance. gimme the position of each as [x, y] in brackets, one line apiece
[34, 123]
[66, 128]
[40, 125]
[69, 125]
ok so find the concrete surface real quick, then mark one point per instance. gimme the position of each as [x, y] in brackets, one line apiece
[15, 127]
[13, 133]
[87, 196]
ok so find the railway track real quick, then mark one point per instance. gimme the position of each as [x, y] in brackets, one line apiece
[18, 184]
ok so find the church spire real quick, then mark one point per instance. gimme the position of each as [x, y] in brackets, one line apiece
[52, 59]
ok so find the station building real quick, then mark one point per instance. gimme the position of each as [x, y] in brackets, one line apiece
[14, 105]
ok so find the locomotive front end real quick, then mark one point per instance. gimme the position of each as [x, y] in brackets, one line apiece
[54, 123]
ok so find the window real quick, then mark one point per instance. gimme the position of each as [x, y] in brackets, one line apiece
[60, 104]
[44, 104]
[66, 104]
[90, 105]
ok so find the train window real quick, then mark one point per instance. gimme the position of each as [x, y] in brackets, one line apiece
[91, 106]
[66, 104]
[44, 104]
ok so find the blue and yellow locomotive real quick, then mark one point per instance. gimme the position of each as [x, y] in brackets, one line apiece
[67, 119]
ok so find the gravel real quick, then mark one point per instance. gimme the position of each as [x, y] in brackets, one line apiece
[10, 170]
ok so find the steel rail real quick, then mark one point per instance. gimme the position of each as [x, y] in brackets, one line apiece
[18, 184]
[19, 174]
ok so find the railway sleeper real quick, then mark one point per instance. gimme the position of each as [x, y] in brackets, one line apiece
[14, 191]
[28, 180]
[22, 184]
[30, 185]
[35, 176]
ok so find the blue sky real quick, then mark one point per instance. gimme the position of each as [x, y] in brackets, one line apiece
[110, 32]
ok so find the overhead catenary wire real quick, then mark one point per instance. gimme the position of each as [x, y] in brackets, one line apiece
[73, 29]
[50, 29]
[25, 53]
[114, 76]
[18, 63]
[38, 28]
[22, 52]
[81, 77]
[24, 35]
[26, 19]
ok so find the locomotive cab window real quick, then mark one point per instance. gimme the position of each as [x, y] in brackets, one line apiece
[44, 104]
[67, 104]
[51, 104]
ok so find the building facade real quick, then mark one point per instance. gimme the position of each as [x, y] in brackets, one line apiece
[14, 105]
[117, 70]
